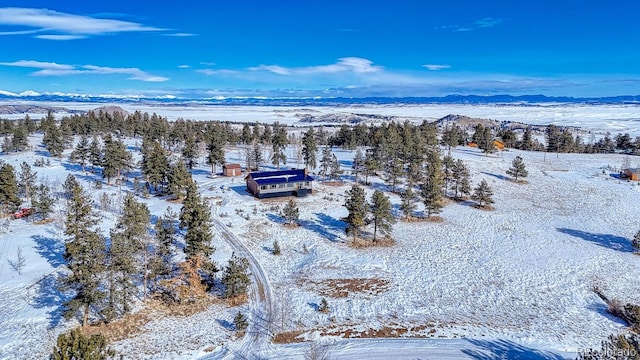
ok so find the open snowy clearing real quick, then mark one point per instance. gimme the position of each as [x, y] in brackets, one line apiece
[516, 280]
[597, 118]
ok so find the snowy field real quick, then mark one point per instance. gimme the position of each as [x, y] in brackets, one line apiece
[597, 118]
[512, 282]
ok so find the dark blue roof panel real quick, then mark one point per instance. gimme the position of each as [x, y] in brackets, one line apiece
[278, 177]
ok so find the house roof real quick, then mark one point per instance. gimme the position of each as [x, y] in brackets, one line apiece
[278, 177]
[231, 166]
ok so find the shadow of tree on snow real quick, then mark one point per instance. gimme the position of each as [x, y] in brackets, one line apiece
[503, 349]
[605, 240]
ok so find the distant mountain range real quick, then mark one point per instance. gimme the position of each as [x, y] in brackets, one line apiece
[317, 101]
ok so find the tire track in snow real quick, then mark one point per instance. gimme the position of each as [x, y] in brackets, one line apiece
[261, 301]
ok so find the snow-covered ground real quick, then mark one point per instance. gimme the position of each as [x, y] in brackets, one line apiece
[597, 118]
[515, 280]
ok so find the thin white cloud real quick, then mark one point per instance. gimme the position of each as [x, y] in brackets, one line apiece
[183, 66]
[488, 22]
[60, 37]
[276, 69]
[217, 72]
[436, 67]
[180, 34]
[484, 23]
[354, 65]
[208, 63]
[55, 69]
[38, 65]
[56, 24]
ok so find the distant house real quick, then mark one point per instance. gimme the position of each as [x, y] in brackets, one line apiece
[231, 170]
[632, 174]
[279, 183]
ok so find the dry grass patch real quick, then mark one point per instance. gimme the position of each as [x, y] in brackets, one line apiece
[132, 324]
[333, 183]
[350, 331]
[288, 337]
[341, 288]
[43, 222]
[361, 243]
[484, 207]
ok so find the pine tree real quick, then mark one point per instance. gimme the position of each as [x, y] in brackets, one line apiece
[84, 254]
[290, 213]
[82, 152]
[358, 164]
[155, 165]
[381, 214]
[356, 205]
[394, 171]
[460, 178]
[309, 149]
[126, 248]
[527, 140]
[95, 154]
[636, 242]
[190, 151]
[165, 236]
[335, 169]
[451, 136]
[276, 248]
[448, 163]
[9, 199]
[371, 165]
[408, 201]
[247, 136]
[240, 322]
[482, 194]
[215, 146]
[116, 159]
[266, 134]
[42, 201]
[235, 277]
[431, 189]
[20, 140]
[26, 180]
[178, 180]
[325, 162]
[196, 218]
[53, 141]
[75, 346]
[279, 142]
[486, 141]
[254, 157]
[517, 168]
[69, 185]
[323, 307]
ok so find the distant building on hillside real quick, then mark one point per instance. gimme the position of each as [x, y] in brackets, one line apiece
[266, 184]
[231, 170]
[632, 174]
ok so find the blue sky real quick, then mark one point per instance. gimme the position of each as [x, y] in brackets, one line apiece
[321, 48]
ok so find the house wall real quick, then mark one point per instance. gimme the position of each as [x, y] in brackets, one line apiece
[282, 189]
[252, 186]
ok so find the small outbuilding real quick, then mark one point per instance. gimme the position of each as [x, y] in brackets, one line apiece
[632, 174]
[231, 170]
[266, 184]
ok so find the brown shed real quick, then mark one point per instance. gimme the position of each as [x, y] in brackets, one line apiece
[632, 174]
[231, 170]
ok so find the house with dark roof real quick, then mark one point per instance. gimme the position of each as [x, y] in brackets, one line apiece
[266, 184]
